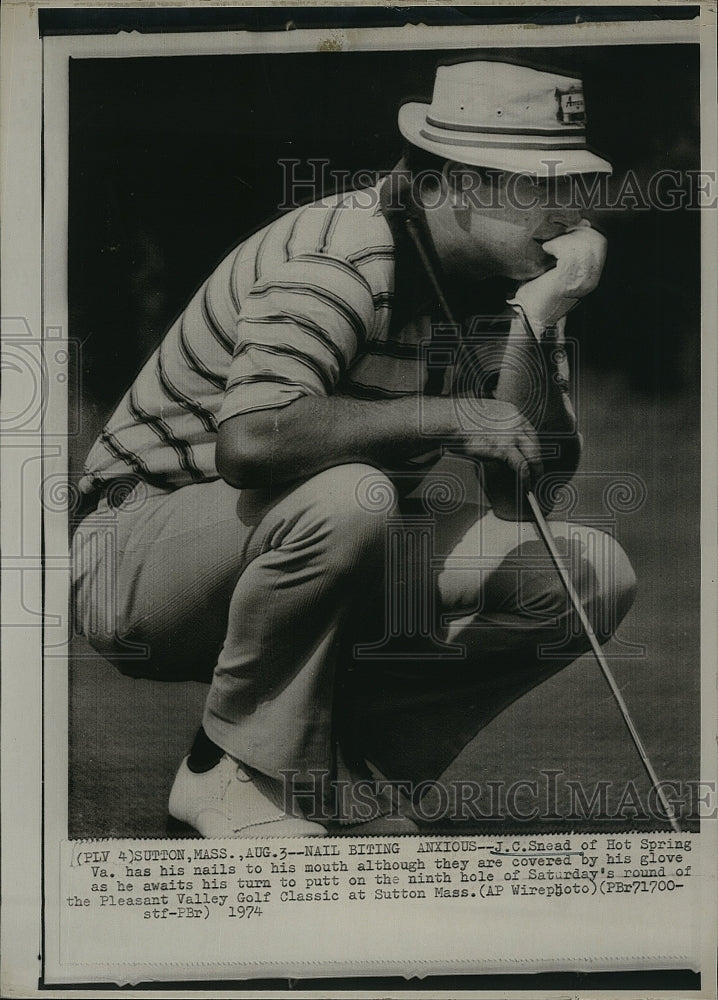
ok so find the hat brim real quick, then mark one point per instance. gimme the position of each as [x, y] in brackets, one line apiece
[548, 161]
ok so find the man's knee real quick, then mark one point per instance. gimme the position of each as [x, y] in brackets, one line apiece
[602, 576]
[528, 584]
[354, 502]
[616, 585]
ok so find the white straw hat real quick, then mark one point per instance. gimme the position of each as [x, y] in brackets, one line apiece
[494, 114]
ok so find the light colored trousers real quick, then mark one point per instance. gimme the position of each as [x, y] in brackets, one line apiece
[299, 609]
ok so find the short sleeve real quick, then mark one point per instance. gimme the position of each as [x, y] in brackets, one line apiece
[300, 327]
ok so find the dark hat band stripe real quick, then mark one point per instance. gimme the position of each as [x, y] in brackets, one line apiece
[524, 144]
[506, 130]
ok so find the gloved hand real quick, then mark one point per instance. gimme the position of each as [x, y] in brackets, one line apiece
[580, 255]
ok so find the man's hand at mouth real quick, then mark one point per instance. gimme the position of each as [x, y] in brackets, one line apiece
[579, 257]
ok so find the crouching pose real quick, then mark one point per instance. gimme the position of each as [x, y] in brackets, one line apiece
[304, 489]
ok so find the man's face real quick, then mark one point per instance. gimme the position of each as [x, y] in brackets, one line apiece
[516, 215]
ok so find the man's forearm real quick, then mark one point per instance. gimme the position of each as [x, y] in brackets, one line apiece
[318, 432]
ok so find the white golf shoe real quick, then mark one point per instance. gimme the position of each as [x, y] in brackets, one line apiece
[226, 801]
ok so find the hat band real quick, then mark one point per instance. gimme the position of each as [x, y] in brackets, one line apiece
[508, 130]
[520, 141]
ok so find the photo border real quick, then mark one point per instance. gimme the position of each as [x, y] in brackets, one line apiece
[40, 539]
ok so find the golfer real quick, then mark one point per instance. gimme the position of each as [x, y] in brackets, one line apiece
[291, 428]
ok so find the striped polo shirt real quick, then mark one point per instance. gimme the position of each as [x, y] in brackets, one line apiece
[305, 306]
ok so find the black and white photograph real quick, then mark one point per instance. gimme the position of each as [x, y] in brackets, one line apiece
[311, 292]
[372, 492]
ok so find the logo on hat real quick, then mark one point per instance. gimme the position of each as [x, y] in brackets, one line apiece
[571, 107]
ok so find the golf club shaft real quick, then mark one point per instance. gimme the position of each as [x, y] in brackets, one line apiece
[550, 544]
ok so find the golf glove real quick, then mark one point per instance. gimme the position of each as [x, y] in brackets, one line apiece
[580, 255]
